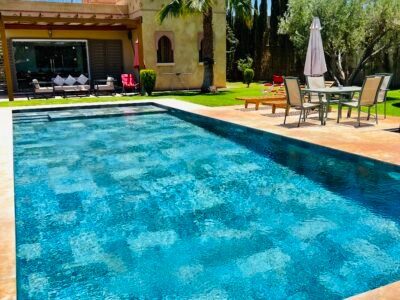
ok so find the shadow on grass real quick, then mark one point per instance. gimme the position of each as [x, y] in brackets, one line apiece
[190, 94]
[397, 104]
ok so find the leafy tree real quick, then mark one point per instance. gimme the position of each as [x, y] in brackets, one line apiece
[261, 36]
[278, 9]
[245, 36]
[179, 8]
[231, 45]
[354, 31]
[282, 56]
[245, 63]
[248, 76]
[254, 31]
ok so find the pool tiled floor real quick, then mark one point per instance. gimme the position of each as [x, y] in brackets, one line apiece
[373, 141]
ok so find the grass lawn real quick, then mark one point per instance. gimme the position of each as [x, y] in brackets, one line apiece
[392, 105]
[225, 97]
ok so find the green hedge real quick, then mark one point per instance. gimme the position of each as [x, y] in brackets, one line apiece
[248, 75]
[148, 79]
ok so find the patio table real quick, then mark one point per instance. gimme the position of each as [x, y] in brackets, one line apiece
[329, 91]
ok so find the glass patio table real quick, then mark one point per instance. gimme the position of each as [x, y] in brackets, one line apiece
[329, 92]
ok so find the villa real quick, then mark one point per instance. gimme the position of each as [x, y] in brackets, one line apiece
[100, 38]
[292, 193]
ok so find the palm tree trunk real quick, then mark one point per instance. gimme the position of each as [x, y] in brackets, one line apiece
[208, 51]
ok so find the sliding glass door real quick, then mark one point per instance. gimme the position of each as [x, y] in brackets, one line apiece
[45, 59]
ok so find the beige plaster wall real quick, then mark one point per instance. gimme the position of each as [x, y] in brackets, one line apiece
[185, 31]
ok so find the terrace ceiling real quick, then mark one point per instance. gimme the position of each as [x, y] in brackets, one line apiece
[67, 16]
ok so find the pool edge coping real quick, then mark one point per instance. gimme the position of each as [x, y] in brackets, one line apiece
[8, 271]
[7, 171]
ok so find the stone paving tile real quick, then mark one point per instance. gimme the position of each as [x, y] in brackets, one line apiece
[387, 292]
[7, 216]
[370, 140]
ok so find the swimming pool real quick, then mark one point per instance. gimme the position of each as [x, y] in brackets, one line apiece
[139, 202]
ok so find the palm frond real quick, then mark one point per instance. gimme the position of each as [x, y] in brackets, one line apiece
[200, 6]
[242, 9]
[175, 8]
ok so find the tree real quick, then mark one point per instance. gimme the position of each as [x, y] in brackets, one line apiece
[231, 45]
[261, 36]
[353, 31]
[179, 8]
[282, 54]
[254, 31]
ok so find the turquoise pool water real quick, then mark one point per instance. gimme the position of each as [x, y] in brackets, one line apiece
[152, 206]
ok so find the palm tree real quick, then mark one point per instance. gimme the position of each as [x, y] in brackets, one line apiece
[179, 8]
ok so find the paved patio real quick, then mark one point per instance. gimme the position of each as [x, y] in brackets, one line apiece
[374, 141]
[380, 142]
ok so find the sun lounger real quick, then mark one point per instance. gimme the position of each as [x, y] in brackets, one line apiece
[275, 101]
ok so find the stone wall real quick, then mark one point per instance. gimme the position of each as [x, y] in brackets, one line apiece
[185, 33]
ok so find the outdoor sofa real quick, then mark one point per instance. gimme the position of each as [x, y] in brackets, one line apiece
[42, 89]
[104, 86]
[62, 86]
[71, 85]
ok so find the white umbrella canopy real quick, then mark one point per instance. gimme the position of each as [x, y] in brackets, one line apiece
[315, 60]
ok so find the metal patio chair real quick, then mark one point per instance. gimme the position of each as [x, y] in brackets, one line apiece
[315, 82]
[295, 99]
[368, 98]
[387, 78]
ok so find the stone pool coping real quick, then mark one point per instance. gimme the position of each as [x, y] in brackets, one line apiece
[7, 216]
[229, 114]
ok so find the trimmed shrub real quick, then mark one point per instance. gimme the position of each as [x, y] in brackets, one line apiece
[248, 76]
[148, 80]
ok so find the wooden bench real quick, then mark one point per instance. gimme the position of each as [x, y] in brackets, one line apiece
[274, 101]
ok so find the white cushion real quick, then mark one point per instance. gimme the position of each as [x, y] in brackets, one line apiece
[82, 79]
[70, 88]
[70, 80]
[44, 90]
[36, 83]
[104, 87]
[58, 88]
[110, 82]
[59, 80]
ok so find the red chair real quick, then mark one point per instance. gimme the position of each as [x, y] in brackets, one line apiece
[128, 82]
[277, 79]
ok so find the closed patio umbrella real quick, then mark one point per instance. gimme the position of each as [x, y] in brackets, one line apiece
[136, 63]
[315, 60]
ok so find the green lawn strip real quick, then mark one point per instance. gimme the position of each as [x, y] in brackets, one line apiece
[224, 97]
[36, 102]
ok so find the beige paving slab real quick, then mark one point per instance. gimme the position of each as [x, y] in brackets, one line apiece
[387, 292]
[7, 216]
[369, 140]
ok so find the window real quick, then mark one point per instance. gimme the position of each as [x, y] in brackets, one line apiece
[45, 59]
[165, 53]
[201, 55]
